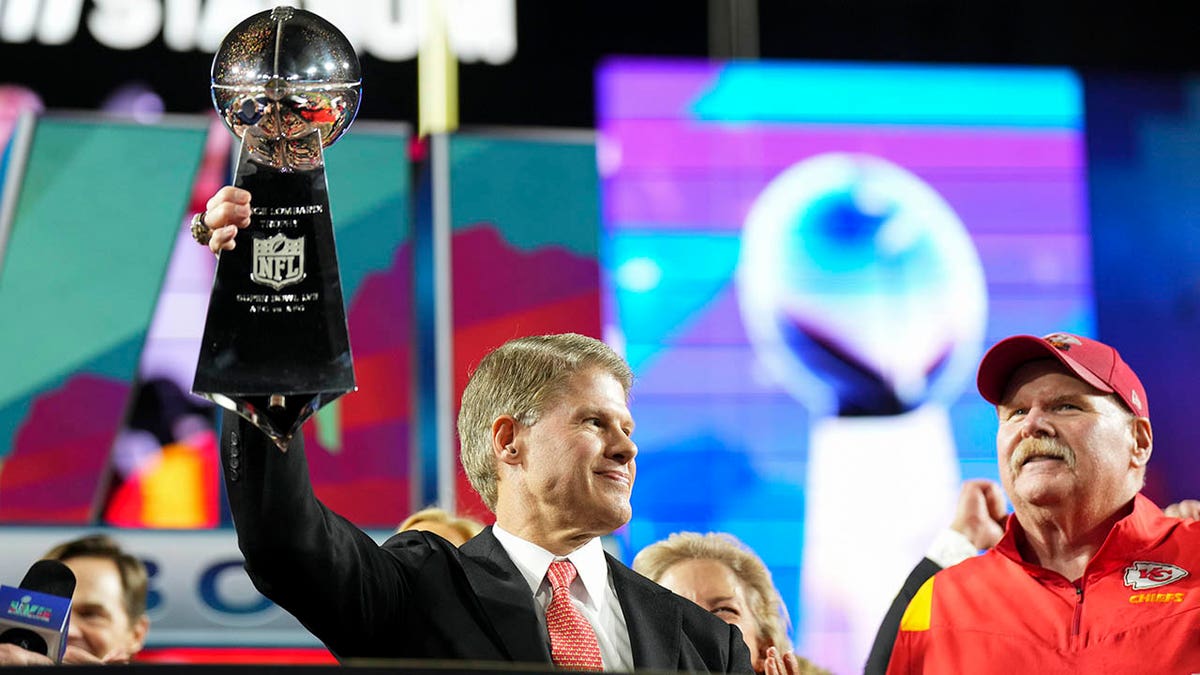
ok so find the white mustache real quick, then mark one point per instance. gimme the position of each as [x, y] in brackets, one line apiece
[1033, 447]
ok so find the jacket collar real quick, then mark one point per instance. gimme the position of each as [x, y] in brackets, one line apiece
[505, 598]
[652, 616]
[1143, 528]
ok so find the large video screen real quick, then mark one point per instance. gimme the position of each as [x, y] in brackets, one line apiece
[1143, 161]
[803, 264]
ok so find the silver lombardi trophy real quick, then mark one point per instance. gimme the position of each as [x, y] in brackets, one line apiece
[276, 348]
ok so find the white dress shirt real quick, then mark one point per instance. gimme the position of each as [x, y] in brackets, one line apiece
[592, 592]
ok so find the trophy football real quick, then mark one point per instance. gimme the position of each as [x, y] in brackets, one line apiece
[276, 348]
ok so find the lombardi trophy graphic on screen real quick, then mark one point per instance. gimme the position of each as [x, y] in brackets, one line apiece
[864, 298]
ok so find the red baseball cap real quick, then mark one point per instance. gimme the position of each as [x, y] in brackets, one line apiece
[1093, 362]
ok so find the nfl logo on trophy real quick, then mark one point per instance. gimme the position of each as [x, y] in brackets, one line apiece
[278, 261]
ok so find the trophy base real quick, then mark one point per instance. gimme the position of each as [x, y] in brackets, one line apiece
[279, 416]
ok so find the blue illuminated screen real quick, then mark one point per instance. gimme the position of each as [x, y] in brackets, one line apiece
[803, 264]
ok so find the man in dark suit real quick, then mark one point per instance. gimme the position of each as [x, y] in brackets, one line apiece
[545, 432]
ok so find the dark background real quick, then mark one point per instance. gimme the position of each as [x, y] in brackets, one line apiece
[549, 82]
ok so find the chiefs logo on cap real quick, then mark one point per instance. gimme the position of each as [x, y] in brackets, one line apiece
[1062, 341]
[1142, 575]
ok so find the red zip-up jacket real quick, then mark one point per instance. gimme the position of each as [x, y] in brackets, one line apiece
[1136, 609]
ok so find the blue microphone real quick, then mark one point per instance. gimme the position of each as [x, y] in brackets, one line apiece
[37, 615]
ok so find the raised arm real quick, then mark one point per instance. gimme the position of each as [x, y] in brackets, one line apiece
[310, 561]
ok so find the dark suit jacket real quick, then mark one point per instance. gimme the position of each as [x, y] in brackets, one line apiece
[418, 596]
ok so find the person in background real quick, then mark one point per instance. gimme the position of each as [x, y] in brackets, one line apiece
[1188, 508]
[722, 575]
[108, 609]
[454, 529]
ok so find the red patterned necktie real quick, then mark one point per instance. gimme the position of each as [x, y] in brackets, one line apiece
[572, 641]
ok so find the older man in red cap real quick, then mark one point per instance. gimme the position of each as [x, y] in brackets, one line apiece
[1090, 576]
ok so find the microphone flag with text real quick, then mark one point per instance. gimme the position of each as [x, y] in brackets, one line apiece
[36, 615]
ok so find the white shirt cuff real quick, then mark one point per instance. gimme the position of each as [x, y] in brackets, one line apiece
[950, 548]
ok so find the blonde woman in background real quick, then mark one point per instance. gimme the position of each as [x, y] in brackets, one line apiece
[725, 577]
[454, 529]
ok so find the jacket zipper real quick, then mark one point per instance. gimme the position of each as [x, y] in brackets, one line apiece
[1078, 611]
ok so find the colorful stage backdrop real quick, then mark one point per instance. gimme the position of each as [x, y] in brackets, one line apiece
[524, 228]
[801, 262]
[105, 295]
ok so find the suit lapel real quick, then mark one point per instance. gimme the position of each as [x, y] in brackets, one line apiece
[654, 620]
[505, 598]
